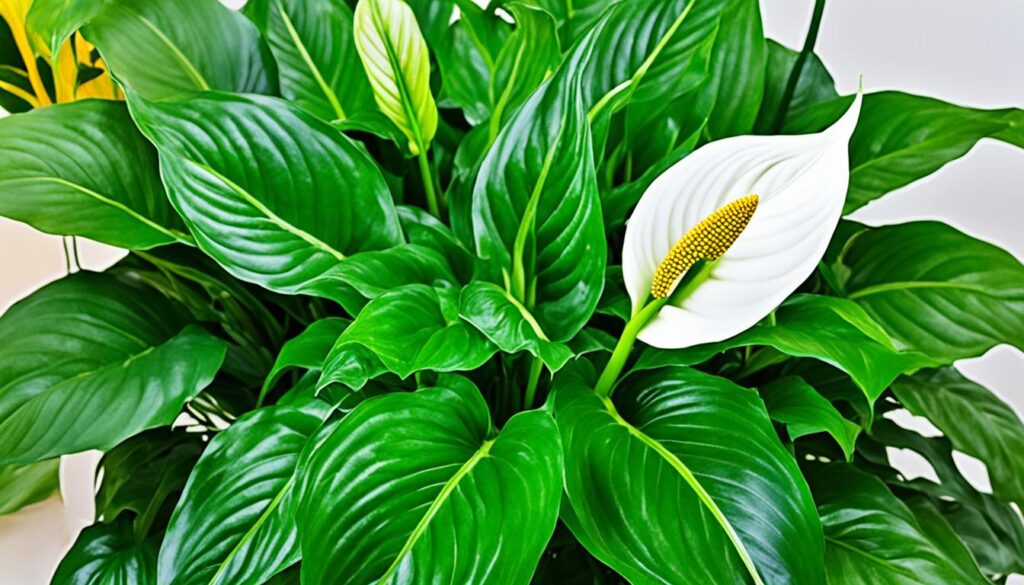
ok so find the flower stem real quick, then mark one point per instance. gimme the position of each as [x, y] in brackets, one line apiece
[428, 184]
[798, 66]
[620, 354]
[536, 366]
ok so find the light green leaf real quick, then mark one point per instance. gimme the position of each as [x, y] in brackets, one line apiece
[235, 522]
[797, 405]
[398, 66]
[109, 554]
[936, 290]
[88, 361]
[508, 324]
[835, 331]
[975, 420]
[424, 489]
[682, 479]
[21, 485]
[871, 537]
[83, 169]
[306, 350]
[313, 44]
[56, 20]
[163, 48]
[276, 196]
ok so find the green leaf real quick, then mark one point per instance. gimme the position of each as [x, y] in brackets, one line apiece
[835, 331]
[901, 138]
[975, 420]
[306, 350]
[397, 64]
[530, 54]
[56, 20]
[936, 290]
[433, 17]
[316, 55]
[797, 405]
[536, 214]
[683, 480]
[88, 361]
[814, 86]
[109, 553]
[83, 169]
[21, 485]
[235, 522]
[424, 229]
[871, 537]
[145, 475]
[164, 48]
[467, 59]
[276, 196]
[423, 489]
[508, 324]
[409, 329]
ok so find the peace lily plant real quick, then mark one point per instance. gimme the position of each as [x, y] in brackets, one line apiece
[425, 291]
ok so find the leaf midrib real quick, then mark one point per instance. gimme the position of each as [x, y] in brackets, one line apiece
[694, 484]
[916, 284]
[190, 68]
[435, 505]
[329, 93]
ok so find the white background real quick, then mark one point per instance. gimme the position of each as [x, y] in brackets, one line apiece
[968, 53]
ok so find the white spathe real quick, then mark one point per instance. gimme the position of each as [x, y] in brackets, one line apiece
[802, 183]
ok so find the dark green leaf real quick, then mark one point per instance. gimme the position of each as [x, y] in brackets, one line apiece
[797, 405]
[423, 489]
[467, 58]
[306, 350]
[21, 485]
[235, 522]
[109, 554]
[83, 169]
[871, 537]
[87, 361]
[276, 196]
[683, 480]
[975, 420]
[936, 290]
[814, 86]
[163, 48]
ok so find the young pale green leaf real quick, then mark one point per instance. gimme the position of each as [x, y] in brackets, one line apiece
[975, 420]
[83, 169]
[398, 66]
[163, 48]
[797, 405]
[21, 485]
[109, 554]
[871, 537]
[536, 215]
[306, 350]
[88, 361]
[901, 138]
[835, 331]
[235, 522]
[683, 480]
[936, 290]
[423, 489]
[316, 55]
[508, 324]
[273, 194]
[814, 86]
[409, 329]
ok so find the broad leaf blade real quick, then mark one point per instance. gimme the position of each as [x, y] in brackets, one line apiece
[22, 485]
[109, 553]
[306, 350]
[797, 405]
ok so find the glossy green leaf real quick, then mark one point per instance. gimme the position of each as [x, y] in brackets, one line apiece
[835, 331]
[423, 489]
[871, 537]
[88, 361]
[235, 522]
[936, 290]
[397, 64]
[467, 59]
[276, 196]
[536, 213]
[83, 169]
[508, 324]
[797, 405]
[682, 479]
[409, 329]
[433, 17]
[901, 138]
[56, 20]
[163, 48]
[424, 229]
[815, 86]
[316, 55]
[22, 485]
[109, 554]
[306, 350]
[975, 420]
